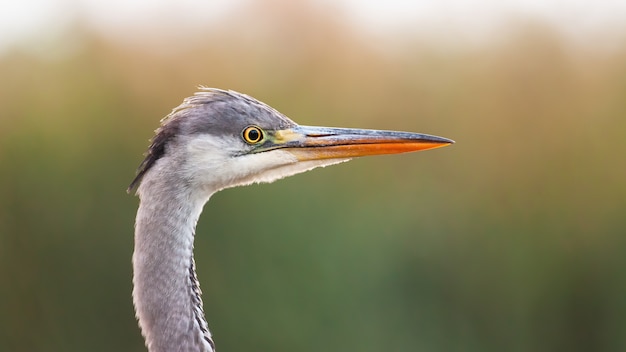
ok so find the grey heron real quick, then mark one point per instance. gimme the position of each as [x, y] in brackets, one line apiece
[214, 140]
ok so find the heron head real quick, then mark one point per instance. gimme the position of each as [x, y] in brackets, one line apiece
[219, 139]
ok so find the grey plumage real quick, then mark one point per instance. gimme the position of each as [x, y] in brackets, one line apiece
[201, 148]
[209, 111]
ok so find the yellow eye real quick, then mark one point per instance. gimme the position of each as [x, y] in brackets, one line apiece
[252, 134]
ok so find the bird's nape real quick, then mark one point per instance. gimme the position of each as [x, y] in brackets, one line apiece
[215, 140]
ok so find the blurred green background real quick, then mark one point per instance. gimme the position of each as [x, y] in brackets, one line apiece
[513, 239]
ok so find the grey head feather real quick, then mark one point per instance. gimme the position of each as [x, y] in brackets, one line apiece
[212, 111]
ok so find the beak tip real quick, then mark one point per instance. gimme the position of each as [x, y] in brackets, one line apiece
[443, 140]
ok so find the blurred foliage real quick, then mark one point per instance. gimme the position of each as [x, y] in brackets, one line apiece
[511, 240]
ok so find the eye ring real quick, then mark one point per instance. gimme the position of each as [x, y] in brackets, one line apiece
[252, 134]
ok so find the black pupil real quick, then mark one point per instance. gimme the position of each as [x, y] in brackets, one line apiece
[253, 134]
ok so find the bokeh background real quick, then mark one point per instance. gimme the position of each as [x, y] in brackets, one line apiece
[513, 239]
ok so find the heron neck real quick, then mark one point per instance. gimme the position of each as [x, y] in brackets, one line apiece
[166, 292]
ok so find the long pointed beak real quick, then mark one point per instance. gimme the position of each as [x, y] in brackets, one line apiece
[314, 143]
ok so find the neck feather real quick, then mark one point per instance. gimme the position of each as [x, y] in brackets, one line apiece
[166, 291]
